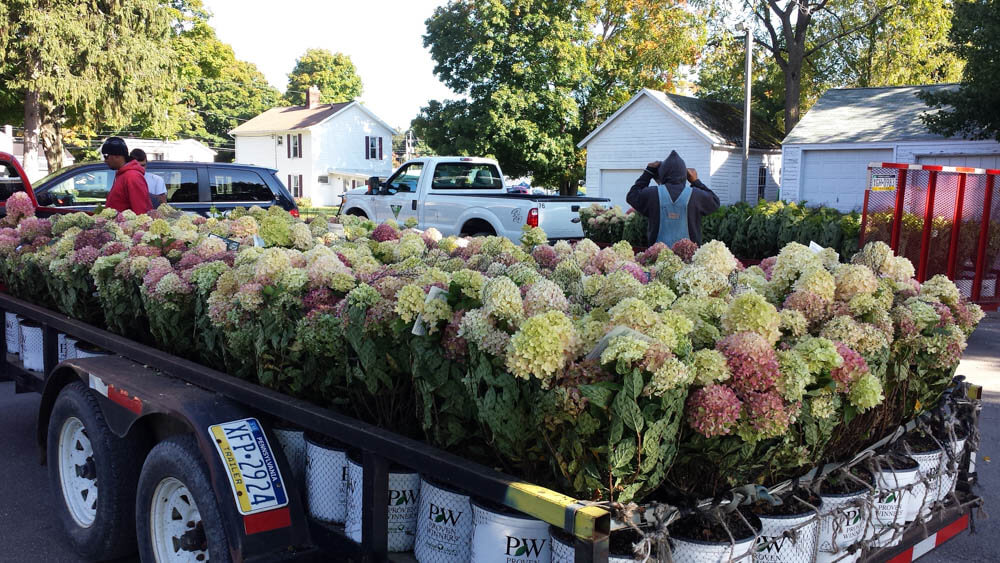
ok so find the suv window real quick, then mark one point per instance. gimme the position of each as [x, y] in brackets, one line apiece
[466, 175]
[181, 183]
[88, 187]
[238, 185]
[10, 181]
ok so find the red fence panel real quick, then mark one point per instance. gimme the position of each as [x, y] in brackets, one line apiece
[944, 219]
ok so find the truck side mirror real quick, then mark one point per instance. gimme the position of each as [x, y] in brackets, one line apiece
[373, 184]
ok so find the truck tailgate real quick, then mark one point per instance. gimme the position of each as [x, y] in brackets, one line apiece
[560, 219]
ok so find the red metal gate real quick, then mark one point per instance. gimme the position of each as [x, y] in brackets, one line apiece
[945, 219]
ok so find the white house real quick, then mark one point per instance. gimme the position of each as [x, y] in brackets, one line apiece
[182, 150]
[826, 155]
[708, 135]
[315, 147]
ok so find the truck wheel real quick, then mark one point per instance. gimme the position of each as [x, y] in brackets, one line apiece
[358, 213]
[95, 473]
[178, 516]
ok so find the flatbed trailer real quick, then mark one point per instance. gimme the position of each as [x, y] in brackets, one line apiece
[147, 397]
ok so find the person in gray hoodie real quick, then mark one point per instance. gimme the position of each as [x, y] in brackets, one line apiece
[672, 208]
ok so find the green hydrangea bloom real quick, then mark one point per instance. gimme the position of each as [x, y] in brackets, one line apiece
[657, 295]
[533, 236]
[363, 295]
[502, 300]
[866, 392]
[795, 375]
[820, 354]
[709, 366]
[792, 322]
[941, 289]
[750, 312]
[671, 374]
[471, 283]
[275, 231]
[818, 281]
[541, 347]
[624, 351]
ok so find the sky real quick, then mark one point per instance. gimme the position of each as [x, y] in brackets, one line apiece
[382, 37]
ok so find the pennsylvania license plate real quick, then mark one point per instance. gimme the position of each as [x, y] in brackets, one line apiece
[251, 467]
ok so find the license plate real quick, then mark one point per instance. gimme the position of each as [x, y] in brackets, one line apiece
[251, 467]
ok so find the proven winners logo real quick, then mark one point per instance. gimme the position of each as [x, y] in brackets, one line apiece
[524, 550]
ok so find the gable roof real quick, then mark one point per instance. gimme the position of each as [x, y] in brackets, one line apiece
[847, 115]
[299, 117]
[719, 123]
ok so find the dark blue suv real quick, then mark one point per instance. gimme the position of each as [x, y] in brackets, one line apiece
[191, 186]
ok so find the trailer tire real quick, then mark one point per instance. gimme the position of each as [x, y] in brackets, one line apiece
[175, 486]
[85, 458]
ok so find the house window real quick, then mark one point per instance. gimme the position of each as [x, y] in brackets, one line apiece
[761, 182]
[295, 184]
[373, 148]
[294, 145]
[323, 179]
[156, 156]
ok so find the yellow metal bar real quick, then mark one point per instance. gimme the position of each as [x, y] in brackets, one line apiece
[589, 522]
[975, 391]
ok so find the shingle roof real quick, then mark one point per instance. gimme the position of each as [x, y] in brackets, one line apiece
[848, 115]
[726, 121]
[289, 118]
[719, 122]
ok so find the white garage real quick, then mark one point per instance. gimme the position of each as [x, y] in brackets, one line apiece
[825, 156]
[708, 135]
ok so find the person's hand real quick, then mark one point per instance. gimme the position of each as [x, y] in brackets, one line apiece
[692, 175]
[653, 165]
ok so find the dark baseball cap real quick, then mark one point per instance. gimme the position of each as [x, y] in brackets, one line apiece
[114, 145]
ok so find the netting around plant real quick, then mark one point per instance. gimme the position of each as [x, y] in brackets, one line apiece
[956, 419]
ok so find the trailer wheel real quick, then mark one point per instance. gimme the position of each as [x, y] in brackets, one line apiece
[178, 516]
[95, 473]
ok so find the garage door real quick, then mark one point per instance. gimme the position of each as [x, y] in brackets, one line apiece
[972, 161]
[838, 178]
[616, 183]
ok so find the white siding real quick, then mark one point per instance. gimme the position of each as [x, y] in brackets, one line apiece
[930, 152]
[725, 175]
[772, 163]
[791, 167]
[259, 150]
[338, 144]
[838, 178]
[641, 134]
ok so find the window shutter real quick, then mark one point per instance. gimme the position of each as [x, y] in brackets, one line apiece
[366, 147]
[380, 148]
[288, 146]
[290, 185]
[302, 187]
[300, 146]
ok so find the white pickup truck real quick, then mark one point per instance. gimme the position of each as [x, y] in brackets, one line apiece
[464, 196]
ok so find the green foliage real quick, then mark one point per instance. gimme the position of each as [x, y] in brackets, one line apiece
[447, 413]
[971, 110]
[333, 73]
[539, 75]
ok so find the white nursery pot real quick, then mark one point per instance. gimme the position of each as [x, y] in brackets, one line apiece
[31, 346]
[325, 477]
[83, 350]
[842, 524]
[919, 500]
[888, 505]
[786, 549]
[502, 536]
[404, 501]
[563, 550]
[949, 478]
[293, 443]
[444, 525]
[12, 332]
[687, 550]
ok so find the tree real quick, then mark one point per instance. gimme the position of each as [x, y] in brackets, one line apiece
[80, 63]
[973, 108]
[538, 75]
[333, 73]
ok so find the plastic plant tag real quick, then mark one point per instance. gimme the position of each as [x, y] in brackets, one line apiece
[619, 330]
[419, 329]
[230, 243]
[815, 247]
[337, 230]
[259, 242]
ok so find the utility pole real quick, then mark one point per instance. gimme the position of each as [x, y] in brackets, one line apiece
[746, 111]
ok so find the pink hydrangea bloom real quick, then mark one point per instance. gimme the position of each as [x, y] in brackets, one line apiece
[767, 265]
[767, 413]
[545, 256]
[636, 271]
[158, 267]
[812, 306]
[606, 261]
[85, 256]
[113, 247]
[851, 370]
[713, 410]
[650, 255]
[752, 361]
[944, 312]
[92, 237]
[137, 236]
[18, 206]
[144, 250]
[685, 249]
[455, 347]
[31, 228]
[8, 243]
[189, 260]
[319, 299]
[385, 232]
[199, 221]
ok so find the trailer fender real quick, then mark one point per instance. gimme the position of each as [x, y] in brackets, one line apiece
[137, 398]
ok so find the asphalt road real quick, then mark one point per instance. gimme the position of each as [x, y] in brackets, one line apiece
[30, 531]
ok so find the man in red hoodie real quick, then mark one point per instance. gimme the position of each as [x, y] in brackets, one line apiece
[129, 190]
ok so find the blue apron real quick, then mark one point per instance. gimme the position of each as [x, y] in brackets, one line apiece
[673, 216]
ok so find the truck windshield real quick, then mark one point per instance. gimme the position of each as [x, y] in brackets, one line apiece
[466, 175]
